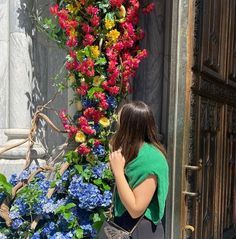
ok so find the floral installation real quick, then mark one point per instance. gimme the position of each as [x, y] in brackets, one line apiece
[101, 38]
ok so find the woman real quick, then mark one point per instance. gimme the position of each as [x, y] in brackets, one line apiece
[141, 172]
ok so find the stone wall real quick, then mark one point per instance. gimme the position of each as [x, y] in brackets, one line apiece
[28, 64]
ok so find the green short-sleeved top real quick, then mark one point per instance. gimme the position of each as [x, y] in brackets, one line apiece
[150, 161]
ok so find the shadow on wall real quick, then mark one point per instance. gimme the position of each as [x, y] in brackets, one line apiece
[47, 60]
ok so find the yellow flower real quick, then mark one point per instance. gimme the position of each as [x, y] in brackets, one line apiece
[113, 35]
[80, 137]
[104, 121]
[73, 9]
[95, 51]
[109, 23]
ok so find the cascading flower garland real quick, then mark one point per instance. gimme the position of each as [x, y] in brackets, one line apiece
[101, 38]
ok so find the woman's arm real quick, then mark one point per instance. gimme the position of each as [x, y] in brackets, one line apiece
[137, 200]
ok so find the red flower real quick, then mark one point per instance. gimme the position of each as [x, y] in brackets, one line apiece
[83, 121]
[63, 14]
[88, 130]
[104, 105]
[88, 40]
[143, 54]
[72, 24]
[72, 130]
[92, 10]
[83, 149]
[86, 28]
[72, 42]
[82, 90]
[116, 3]
[148, 8]
[95, 21]
[92, 113]
[54, 9]
[97, 142]
[114, 90]
[118, 46]
[87, 67]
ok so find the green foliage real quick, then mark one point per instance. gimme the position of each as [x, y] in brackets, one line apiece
[5, 187]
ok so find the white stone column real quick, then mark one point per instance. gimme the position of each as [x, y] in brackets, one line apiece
[20, 65]
[4, 66]
[20, 83]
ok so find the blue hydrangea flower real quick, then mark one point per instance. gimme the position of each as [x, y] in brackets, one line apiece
[40, 176]
[44, 185]
[24, 175]
[36, 236]
[65, 175]
[97, 128]
[99, 150]
[85, 223]
[111, 100]
[58, 235]
[13, 179]
[89, 195]
[99, 170]
[49, 206]
[107, 198]
[16, 223]
[69, 235]
[21, 206]
[49, 229]
[2, 236]
[14, 214]
[86, 102]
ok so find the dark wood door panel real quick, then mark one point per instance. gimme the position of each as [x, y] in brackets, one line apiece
[232, 44]
[213, 37]
[210, 152]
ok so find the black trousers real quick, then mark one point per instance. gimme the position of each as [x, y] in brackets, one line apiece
[146, 229]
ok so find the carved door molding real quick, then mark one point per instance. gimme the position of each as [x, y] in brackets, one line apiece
[210, 170]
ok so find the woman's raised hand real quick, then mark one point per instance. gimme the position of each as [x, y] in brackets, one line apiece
[117, 162]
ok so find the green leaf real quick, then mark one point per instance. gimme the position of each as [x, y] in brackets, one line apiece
[3, 179]
[53, 184]
[96, 217]
[101, 61]
[97, 225]
[79, 168]
[98, 182]
[70, 205]
[93, 90]
[72, 157]
[79, 233]
[67, 215]
[110, 16]
[87, 51]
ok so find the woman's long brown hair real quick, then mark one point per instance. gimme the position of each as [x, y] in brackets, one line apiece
[136, 125]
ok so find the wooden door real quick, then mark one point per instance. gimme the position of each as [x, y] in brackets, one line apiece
[210, 195]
